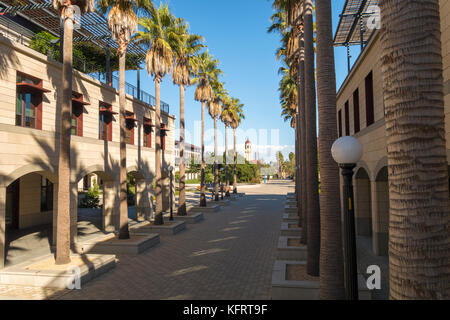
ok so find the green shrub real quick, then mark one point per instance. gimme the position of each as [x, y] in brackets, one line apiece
[91, 198]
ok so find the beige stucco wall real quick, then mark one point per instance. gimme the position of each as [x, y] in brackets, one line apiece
[25, 150]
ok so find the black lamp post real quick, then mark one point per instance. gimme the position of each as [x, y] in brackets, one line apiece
[171, 193]
[347, 151]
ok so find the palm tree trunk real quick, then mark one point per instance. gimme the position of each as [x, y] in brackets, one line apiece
[419, 217]
[158, 188]
[313, 232]
[216, 166]
[202, 175]
[227, 178]
[182, 186]
[235, 163]
[331, 256]
[63, 206]
[301, 106]
[123, 214]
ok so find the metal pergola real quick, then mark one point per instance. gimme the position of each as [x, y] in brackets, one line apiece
[352, 28]
[93, 28]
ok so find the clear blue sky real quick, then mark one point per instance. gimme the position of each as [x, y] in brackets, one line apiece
[236, 33]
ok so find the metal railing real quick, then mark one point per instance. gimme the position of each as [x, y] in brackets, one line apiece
[51, 49]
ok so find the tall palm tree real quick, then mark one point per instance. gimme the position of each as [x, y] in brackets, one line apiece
[66, 11]
[184, 53]
[419, 217]
[160, 34]
[313, 211]
[226, 117]
[331, 256]
[122, 21]
[238, 116]
[206, 69]
[215, 109]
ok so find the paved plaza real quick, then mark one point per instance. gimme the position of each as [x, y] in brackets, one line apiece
[230, 255]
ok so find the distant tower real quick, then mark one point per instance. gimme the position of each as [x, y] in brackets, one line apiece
[248, 150]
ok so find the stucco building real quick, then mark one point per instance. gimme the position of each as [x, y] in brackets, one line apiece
[30, 86]
[360, 113]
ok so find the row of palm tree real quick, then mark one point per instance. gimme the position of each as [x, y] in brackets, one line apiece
[170, 49]
[320, 223]
[418, 181]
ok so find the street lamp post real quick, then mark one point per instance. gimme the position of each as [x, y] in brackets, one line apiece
[171, 192]
[347, 151]
[220, 181]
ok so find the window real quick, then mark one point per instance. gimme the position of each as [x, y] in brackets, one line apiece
[340, 123]
[46, 195]
[369, 99]
[105, 121]
[356, 110]
[29, 101]
[148, 133]
[77, 114]
[347, 119]
[129, 127]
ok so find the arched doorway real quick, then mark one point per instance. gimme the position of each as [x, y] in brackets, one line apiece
[381, 223]
[363, 203]
[29, 207]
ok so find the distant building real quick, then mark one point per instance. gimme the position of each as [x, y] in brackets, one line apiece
[191, 152]
[248, 150]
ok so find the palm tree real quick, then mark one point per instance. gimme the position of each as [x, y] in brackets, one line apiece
[206, 69]
[122, 21]
[160, 34]
[184, 53]
[215, 110]
[238, 116]
[313, 211]
[331, 257]
[226, 117]
[66, 11]
[419, 217]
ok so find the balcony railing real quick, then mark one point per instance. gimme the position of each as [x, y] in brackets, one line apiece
[80, 64]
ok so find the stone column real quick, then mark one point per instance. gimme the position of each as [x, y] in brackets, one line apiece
[380, 221]
[55, 211]
[2, 225]
[110, 206]
[363, 215]
[73, 213]
[142, 200]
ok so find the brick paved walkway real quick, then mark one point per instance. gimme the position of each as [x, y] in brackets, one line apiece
[229, 255]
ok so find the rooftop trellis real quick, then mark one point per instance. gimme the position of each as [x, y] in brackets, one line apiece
[93, 28]
[352, 28]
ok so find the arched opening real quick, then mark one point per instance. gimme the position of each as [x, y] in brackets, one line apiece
[381, 223]
[363, 204]
[94, 197]
[30, 203]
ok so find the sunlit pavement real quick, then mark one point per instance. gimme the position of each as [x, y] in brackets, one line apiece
[230, 255]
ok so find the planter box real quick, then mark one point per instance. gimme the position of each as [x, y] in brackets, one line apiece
[210, 208]
[111, 244]
[164, 229]
[287, 252]
[35, 273]
[190, 218]
[291, 232]
[283, 289]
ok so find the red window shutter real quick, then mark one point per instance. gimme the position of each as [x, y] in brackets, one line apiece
[80, 125]
[110, 131]
[39, 114]
[132, 134]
